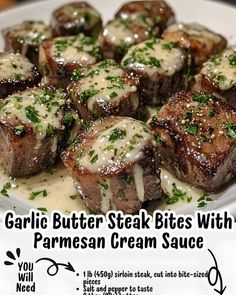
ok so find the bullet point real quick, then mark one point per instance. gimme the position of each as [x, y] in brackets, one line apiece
[77, 289]
[77, 274]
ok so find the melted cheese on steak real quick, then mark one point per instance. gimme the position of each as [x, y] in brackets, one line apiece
[14, 66]
[122, 142]
[155, 56]
[221, 68]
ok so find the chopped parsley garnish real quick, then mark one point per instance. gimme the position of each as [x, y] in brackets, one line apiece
[80, 153]
[211, 113]
[86, 94]
[33, 195]
[94, 159]
[76, 75]
[68, 119]
[42, 209]
[192, 129]
[19, 130]
[221, 78]
[177, 195]
[32, 114]
[104, 185]
[121, 194]
[113, 94]
[128, 179]
[158, 139]
[188, 116]
[203, 138]
[231, 128]
[50, 130]
[5, 189]
[202, 202]
[232, 59]
[73, 197]
[201, 98]
[116, 134]
[116, 81]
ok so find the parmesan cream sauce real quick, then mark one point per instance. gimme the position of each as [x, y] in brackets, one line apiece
[124, 153]
[15, 109]
[221, 68]
[117, 33]
[14, 66]
[59, 186]
[71, 54]
[105, 86]
[171, 60]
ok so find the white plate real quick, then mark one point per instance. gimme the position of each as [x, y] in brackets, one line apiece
[216, 16]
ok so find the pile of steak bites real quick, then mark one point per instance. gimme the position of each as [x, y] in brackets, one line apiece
[115, 102]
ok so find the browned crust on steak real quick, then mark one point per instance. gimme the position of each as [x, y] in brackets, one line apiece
[206, 84]
[88, 182]
[8, 87]
[126, 106]
[199, 48]
[207, 165]
[63, 25]
[18, 155]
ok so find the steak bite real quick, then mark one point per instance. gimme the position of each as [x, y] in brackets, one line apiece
[74, 18]
[119, 34]
[196, 133]
[103, 90]
[162, 67]
[59, 57]
[113, 165]
[200, 41]
[31, 125]
[26, 37]
[158, 12]
[218, 75]
[16, 73]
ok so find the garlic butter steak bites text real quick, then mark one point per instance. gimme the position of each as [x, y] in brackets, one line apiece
[16, 73]
[26, 37]
[74, 18]
[31, 124]
[59, 57]
[201, 42]
[196, 133]
[135, 22]
[162, 67]
[218, 75]
[114, 165]
[103, 90]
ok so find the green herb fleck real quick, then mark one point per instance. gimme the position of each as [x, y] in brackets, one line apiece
[33, 195]
[116, 134]
[5, 189]
[32, 114]
[192, 129]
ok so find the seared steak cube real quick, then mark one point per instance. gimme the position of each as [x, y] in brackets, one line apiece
[113, 165]
[103, 90]
[218, 75]
[26, 37]
[196, 133]
[74, 18]
[201, 42]
[157, 11]
[31, 125]
[16, 73]
[59, 57]
[135, 22]
[162, 67]
[119, 34]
